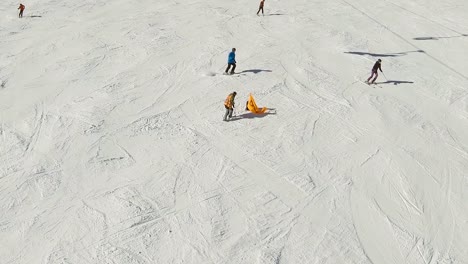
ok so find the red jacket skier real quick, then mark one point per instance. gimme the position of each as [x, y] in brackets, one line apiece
[21, 9]
[262, 2]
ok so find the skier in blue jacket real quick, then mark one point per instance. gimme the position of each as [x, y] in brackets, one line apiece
[231, 61]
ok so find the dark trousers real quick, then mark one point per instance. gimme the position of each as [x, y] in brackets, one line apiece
[260, 8]
[229, 66]
[20, 13]
[372, 75]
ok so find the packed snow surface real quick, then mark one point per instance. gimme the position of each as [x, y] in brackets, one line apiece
[113, 148]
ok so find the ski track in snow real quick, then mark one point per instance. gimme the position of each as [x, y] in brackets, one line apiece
[112, 148]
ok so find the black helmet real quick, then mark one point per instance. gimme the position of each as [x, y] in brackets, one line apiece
[379, 60]
[234, 93]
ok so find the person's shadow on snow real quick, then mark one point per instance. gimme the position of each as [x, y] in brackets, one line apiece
[270, 111]
[255, 71]
[393, 82]
[395, 54]
[437, 38]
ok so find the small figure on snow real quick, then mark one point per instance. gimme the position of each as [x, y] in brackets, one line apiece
[229, 105]
[377, 66]
[231, 61]
[262, 2]
[21, 9]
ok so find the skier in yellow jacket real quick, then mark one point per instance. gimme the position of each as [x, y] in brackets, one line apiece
[229, 105]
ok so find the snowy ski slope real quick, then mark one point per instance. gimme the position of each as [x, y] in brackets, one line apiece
[113, 149]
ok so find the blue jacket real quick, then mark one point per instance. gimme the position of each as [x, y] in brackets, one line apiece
[232, 57]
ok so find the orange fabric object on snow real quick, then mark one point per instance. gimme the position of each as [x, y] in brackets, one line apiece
[252, 106]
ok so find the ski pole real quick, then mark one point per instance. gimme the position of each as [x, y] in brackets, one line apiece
[385, 76]
[222, 67]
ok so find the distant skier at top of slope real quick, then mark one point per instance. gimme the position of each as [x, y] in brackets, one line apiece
[21, 9]
[262, 2]
[231, 61]
[377, 66]
[229, 105]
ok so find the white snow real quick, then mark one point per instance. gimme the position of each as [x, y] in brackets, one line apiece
[113, 148]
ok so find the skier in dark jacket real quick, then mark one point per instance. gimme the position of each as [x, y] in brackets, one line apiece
[377, 66]
[231, 61]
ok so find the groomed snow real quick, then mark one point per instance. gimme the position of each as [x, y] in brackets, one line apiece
[113, 148]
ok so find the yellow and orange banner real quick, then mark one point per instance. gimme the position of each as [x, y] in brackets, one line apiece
[252, 106]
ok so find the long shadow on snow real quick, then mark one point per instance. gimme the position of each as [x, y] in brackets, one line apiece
[437, 38]
[251, 115]
[396, 54]
[394, 82]
[278, 14]
[255, 71]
